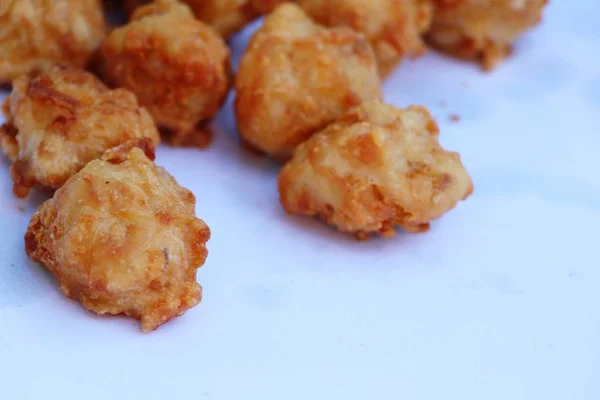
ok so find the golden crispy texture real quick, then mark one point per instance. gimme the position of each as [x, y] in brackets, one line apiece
[59, 120]
[482, 30]
[176, 65]
[121, 236]
[34, 34]
[226, 16]
[392, 26]
[375, 167]
[296, 77]
[229, 16]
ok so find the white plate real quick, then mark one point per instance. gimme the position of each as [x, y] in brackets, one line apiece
[498, 301]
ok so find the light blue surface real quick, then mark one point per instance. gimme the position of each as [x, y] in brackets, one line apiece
[500, 300]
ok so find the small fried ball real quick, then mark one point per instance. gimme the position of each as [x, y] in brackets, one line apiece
[296, 77]
[34, 34]
[226, 16]
[121, 236]
[59, 120]
[482, 30]
[376, 167]
[176, 65]
[393, 27]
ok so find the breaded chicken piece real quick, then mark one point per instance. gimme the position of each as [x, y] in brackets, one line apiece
[296, 77]
[121, 236]
[376, 167]
[176, 65]
[34, 34]
[59, 120]
[226, 16]
[482, 30]
[393, 27]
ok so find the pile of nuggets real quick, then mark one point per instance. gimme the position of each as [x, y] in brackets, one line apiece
[120, 234]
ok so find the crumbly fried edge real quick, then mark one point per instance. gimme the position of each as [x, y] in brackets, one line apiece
[225, 16]
[21, 172]
[40, 247]
[332, 86]
[446, 36]
[179, 80]
[365, 207]
[43, 38]
[394, 35]
[8, 134]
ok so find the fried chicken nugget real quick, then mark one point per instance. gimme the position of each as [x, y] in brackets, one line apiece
[296, 77]
[176, 65]
[482, 30]
[392, 26]
[59, 120]
[375, 167]
[34, 34]
[226, 16]
[121, 236]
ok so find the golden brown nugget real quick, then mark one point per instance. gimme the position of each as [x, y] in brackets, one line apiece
[176, 65]
[35, 34]
[376, 167]
[482, 30]
[393, 27]
[59, 120]
[226, 16]
[121, 236]
[296, 77]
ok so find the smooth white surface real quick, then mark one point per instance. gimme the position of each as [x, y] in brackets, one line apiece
[500, 300]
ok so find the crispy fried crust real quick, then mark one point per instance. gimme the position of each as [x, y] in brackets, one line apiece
[296, 77]
[392, 26]
[229, 16]
[34, 34]
[482, 30]
[59, 120]
[176, 65]
[375, 167]
[121, 236]
[226, 16]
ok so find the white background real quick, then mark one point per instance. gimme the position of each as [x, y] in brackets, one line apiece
[500, 300]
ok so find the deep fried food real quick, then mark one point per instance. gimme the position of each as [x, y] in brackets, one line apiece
[121, 236]
[483, 30]
[226, 16]
[296, 77]
[59, 120]
[392, 26]
[176, 65]
[34, 34]
[375, 167]
[229, 16]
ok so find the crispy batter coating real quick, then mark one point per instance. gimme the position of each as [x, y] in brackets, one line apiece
[121, 236]
[375, 167]
[392, 26]
[482, 30]
[176, 65]
[229, 16]
[226, 16]
[296, 77]
[34, 34]
[59, 120]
